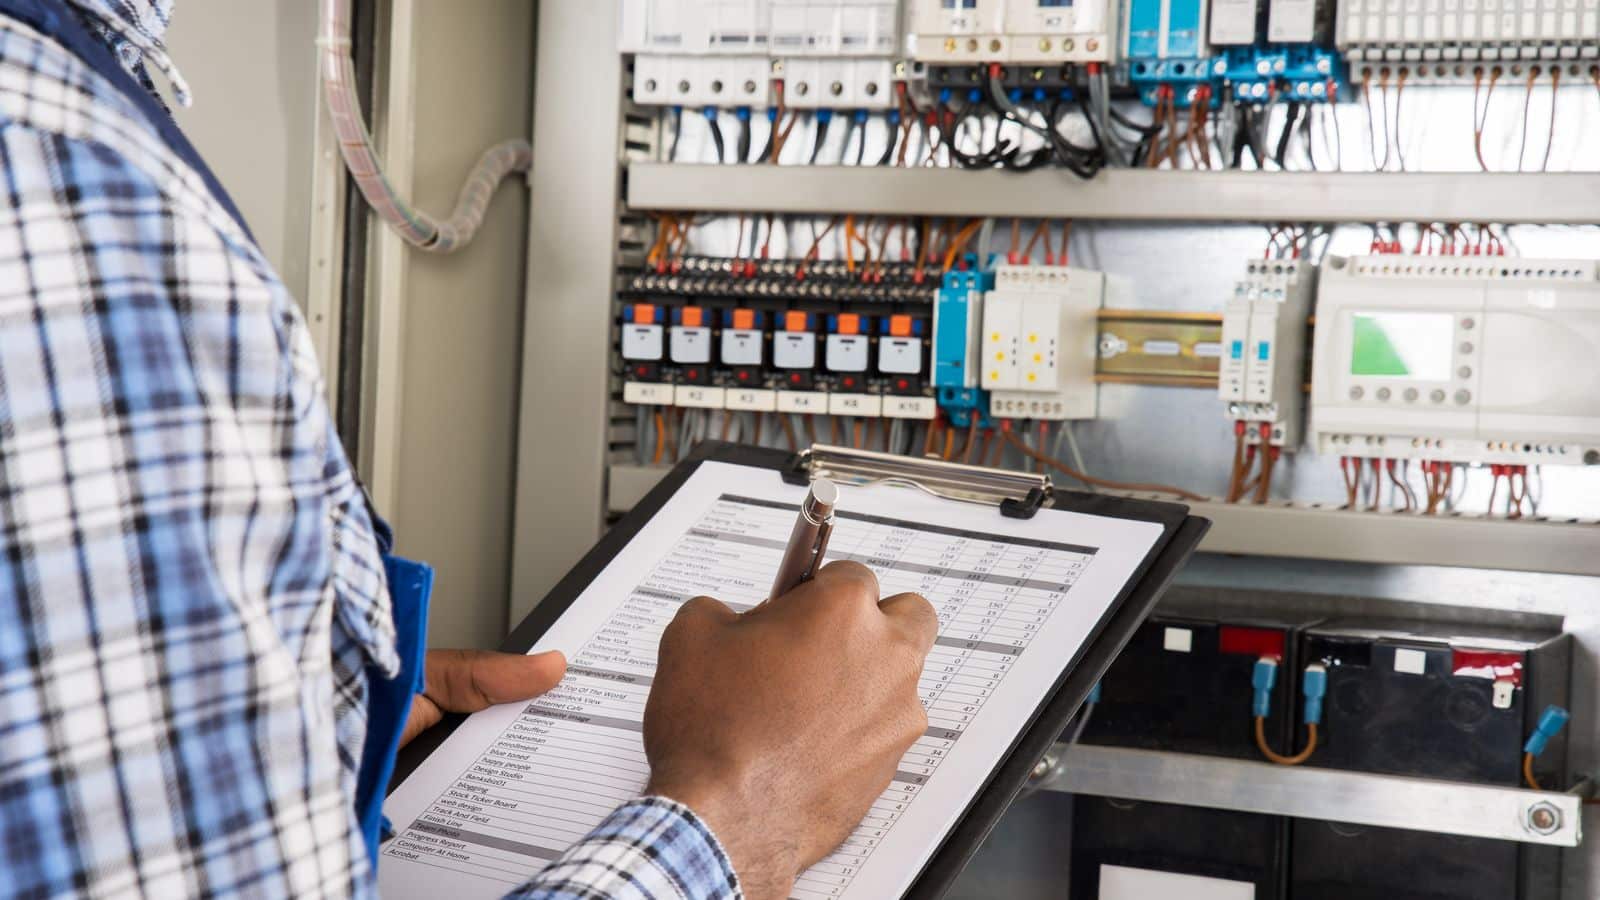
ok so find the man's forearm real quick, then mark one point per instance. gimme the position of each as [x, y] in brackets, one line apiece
[649, 849]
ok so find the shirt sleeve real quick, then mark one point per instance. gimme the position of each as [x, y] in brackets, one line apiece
[649, 849]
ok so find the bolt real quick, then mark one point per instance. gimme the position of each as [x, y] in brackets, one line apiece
[1043, 768]
[650, 85]
[1544, 818]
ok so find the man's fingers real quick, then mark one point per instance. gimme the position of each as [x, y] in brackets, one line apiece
[914, 616]
[470, 680]
[842, 581]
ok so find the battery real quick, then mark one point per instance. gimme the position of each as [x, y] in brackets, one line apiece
[1184, 685]
[1438, 701]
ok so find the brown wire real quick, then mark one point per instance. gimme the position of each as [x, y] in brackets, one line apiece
[972, 440]
[1099, 482]
[838, 438]
[1271, 755]
[661, 437]
[1527, 772]
[788, 432]
[1550, 139]
[1481, 121]
[1236, 473]
[859, 429]
[811, 428]
[1269, 462]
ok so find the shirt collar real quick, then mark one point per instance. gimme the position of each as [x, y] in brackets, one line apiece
[134, 29]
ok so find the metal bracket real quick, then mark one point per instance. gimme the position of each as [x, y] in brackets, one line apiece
[1304, 792]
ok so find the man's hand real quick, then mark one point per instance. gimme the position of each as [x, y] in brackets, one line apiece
[465, 681]
[781, 726]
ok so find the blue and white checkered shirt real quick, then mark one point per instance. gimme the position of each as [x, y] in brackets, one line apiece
[191, 593]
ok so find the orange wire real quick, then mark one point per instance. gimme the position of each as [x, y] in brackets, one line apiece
[661, 438]
[1295, 760]
[1099, 482]
[1066, 236]
[1527, 772]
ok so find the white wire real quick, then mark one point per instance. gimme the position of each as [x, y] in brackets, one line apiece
[355, 145]
[1077, 456]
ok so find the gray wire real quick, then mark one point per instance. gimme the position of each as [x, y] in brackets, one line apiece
[1077, 456]
[641, 435]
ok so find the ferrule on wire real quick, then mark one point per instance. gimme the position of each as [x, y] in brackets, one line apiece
[824, 116]
[1262, 680]
[1551, 721]
[742, 113]
[1094, 693]
[860, 117]
[710, 113]
[1314, 686]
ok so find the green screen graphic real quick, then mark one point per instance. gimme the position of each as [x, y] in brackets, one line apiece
[1401, 345]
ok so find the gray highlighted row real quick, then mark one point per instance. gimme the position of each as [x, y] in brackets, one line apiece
[534, 709]
[897, 565]
[485, 840]
[985, 646]
[606, 675]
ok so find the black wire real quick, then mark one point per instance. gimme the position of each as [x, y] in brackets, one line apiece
[894, 139]
[716, 138]
[744, 140]
[861, 149]
[677, 134]
[1290, 119]
[772, 140]
[822, 138]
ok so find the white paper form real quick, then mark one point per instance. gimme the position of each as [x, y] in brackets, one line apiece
[516, 784]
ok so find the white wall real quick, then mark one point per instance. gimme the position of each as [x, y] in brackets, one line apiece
[252, 67]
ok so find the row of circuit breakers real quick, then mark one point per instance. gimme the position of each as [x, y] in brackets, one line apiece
[1471, 359]
[1460, 703]
[850, 54]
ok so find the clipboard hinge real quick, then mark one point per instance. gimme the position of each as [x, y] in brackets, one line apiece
[1024, 508]
[1018, 495]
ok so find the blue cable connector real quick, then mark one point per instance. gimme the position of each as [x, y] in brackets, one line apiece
[1314, 686]
[1262, 679]
[1551, 721]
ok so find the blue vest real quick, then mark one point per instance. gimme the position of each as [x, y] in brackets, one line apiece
[410, 583]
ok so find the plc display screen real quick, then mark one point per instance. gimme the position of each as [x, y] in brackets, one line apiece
[1402, 345]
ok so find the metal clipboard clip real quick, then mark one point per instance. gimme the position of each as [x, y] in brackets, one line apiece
[1017, 494]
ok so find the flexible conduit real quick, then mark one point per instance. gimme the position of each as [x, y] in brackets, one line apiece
[355, 145]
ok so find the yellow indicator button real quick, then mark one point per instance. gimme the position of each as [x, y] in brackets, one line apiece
[995, 336]
[1032, 377]
[1033, 339]
[994, 376]
[1000, 357]
[1038, 357]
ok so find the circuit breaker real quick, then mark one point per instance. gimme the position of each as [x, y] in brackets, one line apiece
[1462, 359]
[794, 357]
[698, 52]
[643, 349]
[958, 31]
[1040, 335]
[902, 355]
[1264, 325]
[1040, 32]
[1383, 37]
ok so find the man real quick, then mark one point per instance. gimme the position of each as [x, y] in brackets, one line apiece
[194, 613]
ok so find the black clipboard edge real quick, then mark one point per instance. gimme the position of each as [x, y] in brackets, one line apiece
[1009, 778]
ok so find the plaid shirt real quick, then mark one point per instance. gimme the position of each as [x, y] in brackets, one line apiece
[191, 594]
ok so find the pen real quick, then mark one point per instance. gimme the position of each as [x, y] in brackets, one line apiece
[809, 540]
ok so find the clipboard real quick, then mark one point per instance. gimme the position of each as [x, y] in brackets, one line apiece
[1018, 495]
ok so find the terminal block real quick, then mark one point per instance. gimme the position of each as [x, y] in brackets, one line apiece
[957, 324]
[643, 349]
[1040, 340]
[1263, 347]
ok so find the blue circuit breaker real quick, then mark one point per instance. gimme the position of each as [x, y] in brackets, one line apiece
[1166, 47]
[957, 320]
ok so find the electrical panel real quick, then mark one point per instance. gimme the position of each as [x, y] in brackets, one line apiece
[1040, 335]
[1264, 323]
[1469, 360]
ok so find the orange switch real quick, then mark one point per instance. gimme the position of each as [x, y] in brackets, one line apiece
[744, 319]
[693, 317]
[644, 314]
[899, 326]
[849, 323]
[794, 321]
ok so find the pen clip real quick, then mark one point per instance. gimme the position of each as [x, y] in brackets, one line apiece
[824, 531]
